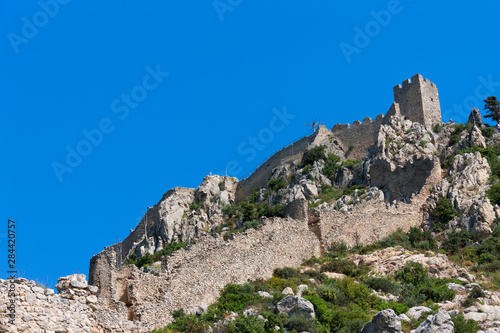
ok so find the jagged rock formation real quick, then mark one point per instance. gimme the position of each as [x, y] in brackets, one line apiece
[395, 163]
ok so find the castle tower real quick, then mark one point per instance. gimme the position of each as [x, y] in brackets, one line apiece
[418, 100]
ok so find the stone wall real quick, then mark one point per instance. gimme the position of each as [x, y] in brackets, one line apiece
[360, 136]
[367, 222]
[418, 100]
[408, 179]
[291, 154]
[156, 223]
[192, 277]
[73, 309]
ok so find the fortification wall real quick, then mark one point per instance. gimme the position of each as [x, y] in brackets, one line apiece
[291, 154]
[418, 100]
[170, 207]
[403, 181]
[192, 277]
[360, 136]
[367, 222]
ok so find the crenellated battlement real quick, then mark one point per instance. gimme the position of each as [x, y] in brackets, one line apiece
[418, 100]
[358, 138]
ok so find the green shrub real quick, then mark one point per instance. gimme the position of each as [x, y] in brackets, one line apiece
[339, 249]
[250, 224]
[331, 166]
[286, 272]
[184, 323]
[276, 184]
[399, 308]
[435, 290]
[457, 240]
[300, 324]
[474, 294]
[328, 292]
[455, 135]
[381, 284]
[313, 155]
[494, 194]
[488, 131]
[345, 267]
[485, 258]
[248, 324]
[351, 164]
[423, 143]
[464, 326]
[306, 169]
[320, 308]
[437, 128]
[194, 206]
[413, 273]
[444, 211]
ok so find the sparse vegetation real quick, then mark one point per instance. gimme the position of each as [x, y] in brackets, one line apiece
[488, 131]
[344, 305]
[276, 184]
[313, 155]
[437, 128]
[444, 212]
[148, 259]
[332, 165]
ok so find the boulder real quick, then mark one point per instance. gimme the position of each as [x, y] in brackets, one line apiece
[294, 305]
[439, 323]
[301, 288]
[456, 287]
[417, 311]
[287, 291]
[384, 322]
[310, 190]
[264, 294]
[78, 281]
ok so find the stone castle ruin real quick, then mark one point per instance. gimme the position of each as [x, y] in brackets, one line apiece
[192, 276]
[399, 167]
[416, 100]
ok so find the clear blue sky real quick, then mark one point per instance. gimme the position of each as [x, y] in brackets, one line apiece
[171, 91]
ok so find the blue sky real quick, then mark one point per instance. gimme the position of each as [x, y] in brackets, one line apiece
[153, 95]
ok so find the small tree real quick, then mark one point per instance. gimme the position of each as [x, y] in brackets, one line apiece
[492, 105]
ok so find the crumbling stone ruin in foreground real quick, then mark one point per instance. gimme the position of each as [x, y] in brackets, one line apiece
[391, 164]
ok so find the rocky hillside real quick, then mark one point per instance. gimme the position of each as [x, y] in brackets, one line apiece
[323, 207]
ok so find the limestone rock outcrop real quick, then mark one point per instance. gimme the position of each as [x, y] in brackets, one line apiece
[295, 305]
[439, 323]
[385, 321]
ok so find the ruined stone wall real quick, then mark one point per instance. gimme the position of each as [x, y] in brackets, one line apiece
[154, 223]
[194, 276]
[360, 136]
[291, 154]
[368, 222]
[405, 180]
[418, 100]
